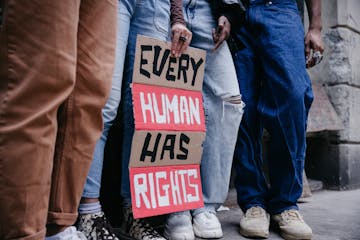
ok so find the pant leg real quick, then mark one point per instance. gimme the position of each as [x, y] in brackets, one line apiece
[250, 182]
[151, 18]
[93, 180]
[222, 103]
[80, 121]
[37, 72]
[285, 100]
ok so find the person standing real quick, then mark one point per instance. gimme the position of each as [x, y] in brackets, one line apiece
[56, 62]
[160, 19]
[223, 107]
[277, 92]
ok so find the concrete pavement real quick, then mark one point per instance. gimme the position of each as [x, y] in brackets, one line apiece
[332, 215]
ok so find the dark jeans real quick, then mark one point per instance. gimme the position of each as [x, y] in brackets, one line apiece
[277, 92]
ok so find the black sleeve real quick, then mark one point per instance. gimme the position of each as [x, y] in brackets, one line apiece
[233, 10]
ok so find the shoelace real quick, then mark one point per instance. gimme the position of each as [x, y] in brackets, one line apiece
[255, 212]
[209, 215]
[101, 223]
[291, 215]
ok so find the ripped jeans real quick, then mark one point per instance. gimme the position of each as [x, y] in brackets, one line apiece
[222, 103]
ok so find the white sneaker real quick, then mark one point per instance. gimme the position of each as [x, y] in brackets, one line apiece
[179, 227]
[70, 233]
[255, 223]
[292, 225]
[207, 225]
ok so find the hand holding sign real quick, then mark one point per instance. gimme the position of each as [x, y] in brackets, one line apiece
[180, 40]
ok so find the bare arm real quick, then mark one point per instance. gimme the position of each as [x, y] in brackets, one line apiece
[313, 38]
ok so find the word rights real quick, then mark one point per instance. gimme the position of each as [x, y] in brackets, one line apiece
[169, 129]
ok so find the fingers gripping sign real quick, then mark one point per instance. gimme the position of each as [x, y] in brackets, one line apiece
[181, 38]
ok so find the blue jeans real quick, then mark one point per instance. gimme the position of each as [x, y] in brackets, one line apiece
[93, 181]
[278, 95]
[222, 110]
[151, 18]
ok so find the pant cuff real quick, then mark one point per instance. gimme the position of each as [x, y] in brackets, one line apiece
[62, 219]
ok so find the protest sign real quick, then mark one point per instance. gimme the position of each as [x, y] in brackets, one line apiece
[169, 129]
[160, 190]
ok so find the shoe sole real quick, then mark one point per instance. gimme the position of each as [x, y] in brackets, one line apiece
[121, 235]
[208, 234]
[254, 234]
[288, 236]
[186, 236]
[291, 237]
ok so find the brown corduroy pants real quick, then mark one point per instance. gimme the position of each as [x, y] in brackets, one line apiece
[56, 65]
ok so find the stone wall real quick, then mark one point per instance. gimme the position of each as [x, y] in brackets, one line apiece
[334, 157]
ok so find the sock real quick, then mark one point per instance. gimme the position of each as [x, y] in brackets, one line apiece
[89, 208]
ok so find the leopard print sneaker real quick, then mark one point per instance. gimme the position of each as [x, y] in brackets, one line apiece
[95, 227]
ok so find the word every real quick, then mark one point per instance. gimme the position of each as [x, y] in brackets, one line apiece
[166, 187]
[154, 58]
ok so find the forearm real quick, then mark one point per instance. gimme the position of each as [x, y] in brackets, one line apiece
[314, 12]
[176, 14]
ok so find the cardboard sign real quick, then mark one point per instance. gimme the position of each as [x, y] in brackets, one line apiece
[160, 190]
[154, 65]
[169, 129]
[159, 148]
[160, 108]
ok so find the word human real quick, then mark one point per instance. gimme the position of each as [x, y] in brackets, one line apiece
[165, 188]
[184, 68]
[164, 108]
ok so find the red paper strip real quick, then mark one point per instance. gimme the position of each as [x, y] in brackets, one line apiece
[161, 108]
[160, 190]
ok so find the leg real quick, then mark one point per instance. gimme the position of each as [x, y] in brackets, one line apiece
[92, 220]
[145, 14]
[93, 181]
[221, 95]
[222, 103]
[151, 18]
[251, 185]
[37, 74]
[80, 121]
[284, 102]
[250, 181]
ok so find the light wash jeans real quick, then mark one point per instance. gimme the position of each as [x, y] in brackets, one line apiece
[220, 90]
[93, 181]
[222, 103]
[151, 18]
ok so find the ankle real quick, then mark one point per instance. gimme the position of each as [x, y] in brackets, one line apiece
[89, 200]
[90, 208]
[53, 229]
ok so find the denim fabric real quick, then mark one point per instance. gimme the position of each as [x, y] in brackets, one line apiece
[222, 116]
[150, 18]
[93, 181]
[278, 95]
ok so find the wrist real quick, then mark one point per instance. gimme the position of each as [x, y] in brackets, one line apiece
[315, 23]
